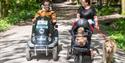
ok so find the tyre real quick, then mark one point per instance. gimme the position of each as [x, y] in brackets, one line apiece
[68, 53]
[28, 54]
[55, 53]
[76, 59]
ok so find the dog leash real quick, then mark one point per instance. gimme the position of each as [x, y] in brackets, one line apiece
[102, 34]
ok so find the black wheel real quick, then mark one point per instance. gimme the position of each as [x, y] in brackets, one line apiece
[76, 59]
[55, 53]
[68, 53]
[28, 54]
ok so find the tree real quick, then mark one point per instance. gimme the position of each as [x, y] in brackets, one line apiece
[4, 6]
[112, 2]
[99, 2]
[0, 9]
[123, 7]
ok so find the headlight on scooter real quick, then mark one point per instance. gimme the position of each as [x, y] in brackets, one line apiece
[41, 31]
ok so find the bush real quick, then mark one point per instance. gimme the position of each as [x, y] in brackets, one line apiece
[107, 10]
[14, 18]
[18, 11]
[20, 16]
[117, 32]
[4, 25]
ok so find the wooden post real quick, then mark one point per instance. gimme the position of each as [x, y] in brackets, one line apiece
[123, 7]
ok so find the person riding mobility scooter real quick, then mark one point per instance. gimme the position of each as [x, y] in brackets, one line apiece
[44, 37]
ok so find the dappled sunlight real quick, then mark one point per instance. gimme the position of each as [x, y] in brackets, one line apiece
[12, 44]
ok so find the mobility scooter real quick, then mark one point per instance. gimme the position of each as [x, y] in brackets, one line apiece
[41, 42]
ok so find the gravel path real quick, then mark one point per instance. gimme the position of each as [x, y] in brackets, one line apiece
[13, 43]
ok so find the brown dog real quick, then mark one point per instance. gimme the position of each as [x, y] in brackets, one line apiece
[109, 48]
[80, 39]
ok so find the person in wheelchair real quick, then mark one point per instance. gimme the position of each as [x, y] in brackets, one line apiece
[44, 37]
[48, 13]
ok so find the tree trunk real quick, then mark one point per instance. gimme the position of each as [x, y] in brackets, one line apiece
[123, 7]
[0, 9]
[109, 2]
[4, 6]
[99, 2]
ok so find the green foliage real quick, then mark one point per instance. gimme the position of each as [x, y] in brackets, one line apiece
[118, 32]
[107, 10]
[123, 12]
[19, 10]
[4, 25]
[21, 16]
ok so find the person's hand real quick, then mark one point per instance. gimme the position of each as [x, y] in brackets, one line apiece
[77, 19]
[54, 21]
[97, 28]
[33, 20]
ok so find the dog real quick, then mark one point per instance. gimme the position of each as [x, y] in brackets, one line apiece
[80, 38]
[109, 48]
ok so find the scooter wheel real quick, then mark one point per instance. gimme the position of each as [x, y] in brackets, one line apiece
[28, 54]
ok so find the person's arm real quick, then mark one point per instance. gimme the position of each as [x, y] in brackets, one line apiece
[95, 19]
[96, 23]
[54, 18]
[36, 15]
[77, 16]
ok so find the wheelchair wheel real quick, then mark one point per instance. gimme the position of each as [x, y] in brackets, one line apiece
[78, 59]
[28, 54]
[69, 51]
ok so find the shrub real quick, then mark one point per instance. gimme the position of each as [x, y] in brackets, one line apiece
[107, 10]
[4, 25]
[117, 32]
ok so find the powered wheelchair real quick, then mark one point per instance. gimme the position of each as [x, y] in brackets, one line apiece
[40, 41]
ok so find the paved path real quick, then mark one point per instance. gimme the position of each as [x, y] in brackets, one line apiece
[13, 42]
